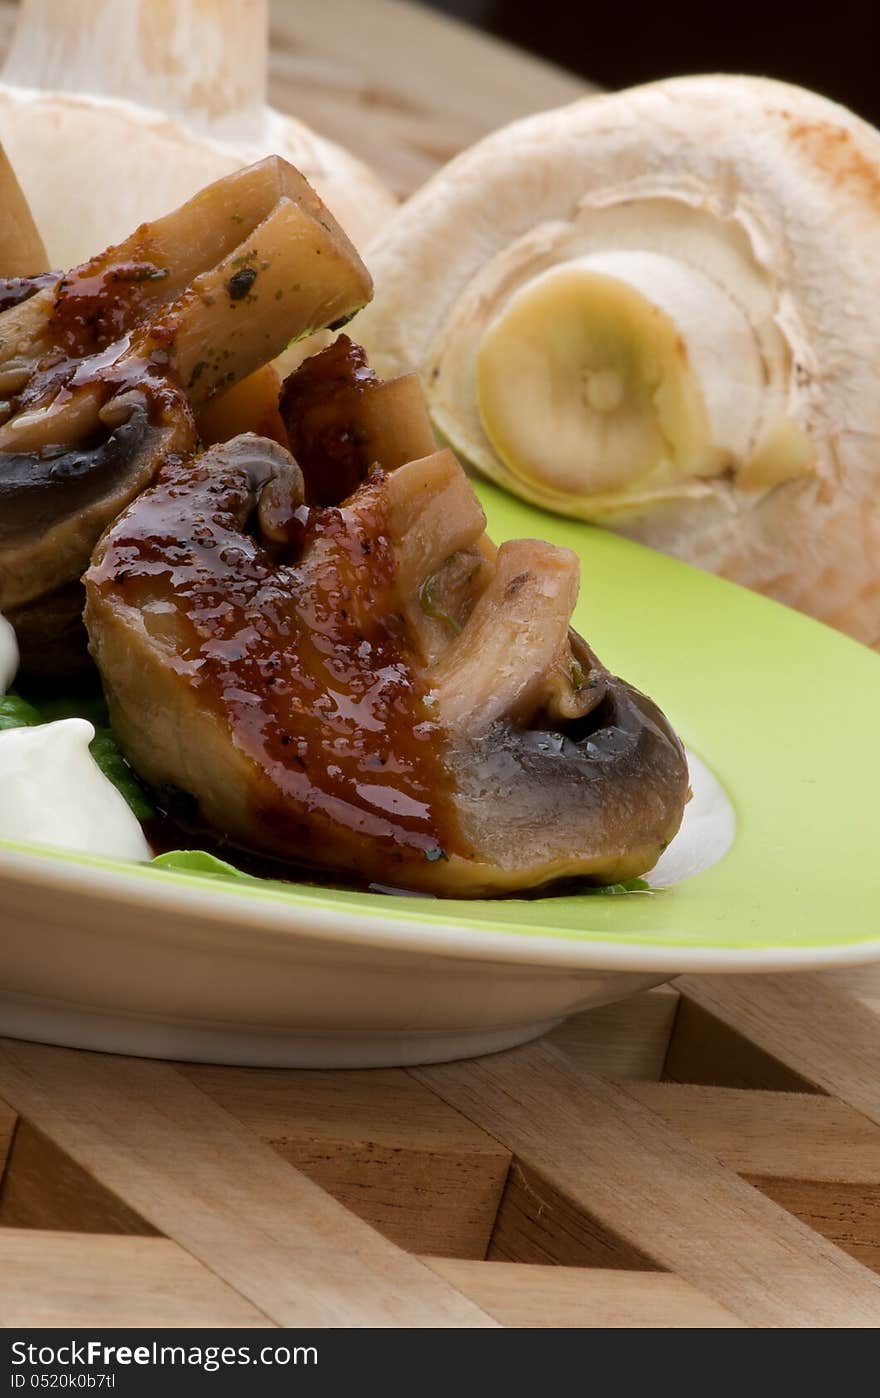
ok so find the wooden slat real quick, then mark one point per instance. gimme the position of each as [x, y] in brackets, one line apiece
[68, 1280]
[652, 1186]
[861, 981]
[830, 1040]
[44, 1188]
[379, 1142]
[400, 85]
[538, 1223]
[703, 1049]
[815, 1156]
[586, 1298]
[628, 1039]
[204, 1180]
[779, 1134]
[8, 1119]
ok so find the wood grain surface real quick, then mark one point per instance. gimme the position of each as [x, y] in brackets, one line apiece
[68, 1280]
[198, 1176]
[622, 1164]
[402, 86]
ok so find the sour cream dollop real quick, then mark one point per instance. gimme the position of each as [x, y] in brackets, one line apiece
[52, 792]
[8, 655]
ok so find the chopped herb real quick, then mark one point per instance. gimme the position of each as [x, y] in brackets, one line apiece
[141, 272]
[240, 283]
[237, 218]
[631, 886]
[105, 750]
[431, 607]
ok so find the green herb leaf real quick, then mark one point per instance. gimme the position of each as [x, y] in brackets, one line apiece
[105, 750]
[88, 705]
[431, 607]
[16, 712]
[198, 861]
[631, 886]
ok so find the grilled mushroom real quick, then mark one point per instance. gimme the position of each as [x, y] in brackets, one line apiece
[331, 659]
[101, 371]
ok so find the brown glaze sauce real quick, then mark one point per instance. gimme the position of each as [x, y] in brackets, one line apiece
[15, 290]
[91, 325]
[304, 660]
[318, 405]
[95, 304]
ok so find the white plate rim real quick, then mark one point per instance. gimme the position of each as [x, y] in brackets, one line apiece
[276, 922]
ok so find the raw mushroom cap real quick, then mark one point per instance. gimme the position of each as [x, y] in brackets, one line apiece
[746, 212]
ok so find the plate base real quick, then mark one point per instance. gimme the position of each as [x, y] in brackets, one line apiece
[139, 1038]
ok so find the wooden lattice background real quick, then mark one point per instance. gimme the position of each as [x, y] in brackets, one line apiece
[707, 1155]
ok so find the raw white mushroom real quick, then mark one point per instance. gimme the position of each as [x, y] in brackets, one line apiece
[660, 310]
[8, 654]
[93, 164]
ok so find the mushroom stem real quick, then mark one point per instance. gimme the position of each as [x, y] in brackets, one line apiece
[21, 248]
[203, 61]
[432, 513]
[497, 667]
[290, 277]
[644, 365]
[292, 272]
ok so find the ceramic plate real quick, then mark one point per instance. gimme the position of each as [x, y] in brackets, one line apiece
[777, 868]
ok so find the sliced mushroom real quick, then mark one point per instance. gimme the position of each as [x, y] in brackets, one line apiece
[113, 113]
[660, 310]
[105, 367]
[274, 659]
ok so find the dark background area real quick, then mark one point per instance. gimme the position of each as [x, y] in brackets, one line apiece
[833, 47]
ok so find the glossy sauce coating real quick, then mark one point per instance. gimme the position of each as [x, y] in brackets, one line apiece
[90, 327]
[299, 650]
[95, 304]
[318, 405]
[15, 290]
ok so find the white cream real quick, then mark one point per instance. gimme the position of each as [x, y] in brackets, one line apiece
[52, 792]
[707, 831]
[8, 655]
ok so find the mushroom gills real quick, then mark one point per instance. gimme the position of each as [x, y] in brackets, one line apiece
[261, 632]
